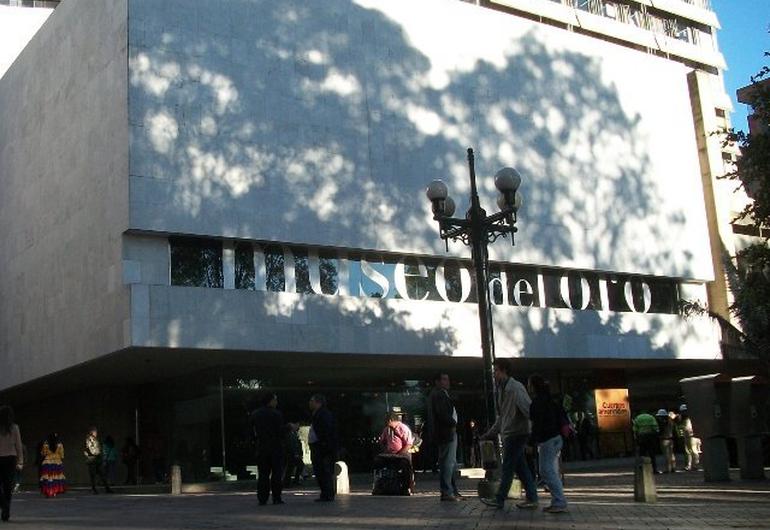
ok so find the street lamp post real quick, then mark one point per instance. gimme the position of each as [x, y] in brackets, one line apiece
[477, 230]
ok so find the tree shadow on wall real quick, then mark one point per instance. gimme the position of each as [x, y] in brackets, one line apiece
[322, 125]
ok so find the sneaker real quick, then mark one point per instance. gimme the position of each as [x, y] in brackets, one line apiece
[493, 502]
[460, 497]
[555, 509]
[527, 505]
[449, 498]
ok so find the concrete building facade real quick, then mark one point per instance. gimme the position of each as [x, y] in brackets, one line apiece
[201, 199]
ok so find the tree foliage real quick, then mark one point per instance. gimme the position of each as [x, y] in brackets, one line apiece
[752, 173]
[752, 170]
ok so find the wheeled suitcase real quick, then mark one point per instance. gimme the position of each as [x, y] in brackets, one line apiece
[392, 475]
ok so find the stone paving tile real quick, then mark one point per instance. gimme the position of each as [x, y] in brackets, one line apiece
[598, 500]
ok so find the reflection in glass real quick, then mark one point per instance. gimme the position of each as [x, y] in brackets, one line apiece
[376, 279]
[244, 266]
[496, 286]
[276, 279]
[417, 286]
[665, 297]
[196, 262]
[301, 271]
[454, 283]
[329, 275]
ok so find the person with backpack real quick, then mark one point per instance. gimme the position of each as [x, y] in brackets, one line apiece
[690, 441]
[549, 422]
[512, 424]
[646, 431]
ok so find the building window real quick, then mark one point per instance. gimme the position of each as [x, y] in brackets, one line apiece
[196, 262]
[329, 275]
[302, 271]
[50, 4]
[728, 164]
[274, 262]
[244, 266]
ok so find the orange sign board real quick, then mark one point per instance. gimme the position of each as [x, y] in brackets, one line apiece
[612, 411]
[613, 417]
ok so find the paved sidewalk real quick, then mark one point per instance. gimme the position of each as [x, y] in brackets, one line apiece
[598, 499]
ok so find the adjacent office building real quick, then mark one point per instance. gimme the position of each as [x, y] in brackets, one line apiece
[202, 199]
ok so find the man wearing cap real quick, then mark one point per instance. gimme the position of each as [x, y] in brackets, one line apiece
[666, 431]
[646, 433]
[690, 445]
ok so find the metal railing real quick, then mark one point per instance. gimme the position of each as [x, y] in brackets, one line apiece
[634, 14]
[705, 4]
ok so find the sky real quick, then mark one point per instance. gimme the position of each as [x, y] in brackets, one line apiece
[743, 40]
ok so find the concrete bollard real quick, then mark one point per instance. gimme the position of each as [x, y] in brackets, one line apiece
[715, 459]
[176, 480]
[644, 481]
[343, 478]
[750, 457]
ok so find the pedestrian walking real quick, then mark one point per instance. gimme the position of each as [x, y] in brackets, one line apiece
[110, 460]
[547, 418]
[690, 441]
[52, 480]
[645, 428]
[11, 459]
[130, 456]
[512, 423]
[269, 431]
[442, 423]
[94, 459]
[323, 446]
[666, 430]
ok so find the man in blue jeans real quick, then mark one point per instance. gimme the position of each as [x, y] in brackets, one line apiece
[442, 423]
[512, 424]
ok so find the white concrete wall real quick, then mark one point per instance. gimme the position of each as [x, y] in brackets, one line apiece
[295, 123]
[17, 27]
[63, 193]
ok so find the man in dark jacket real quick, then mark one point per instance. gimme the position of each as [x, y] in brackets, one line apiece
[442, 421]
[269, 431]
[323, 447]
